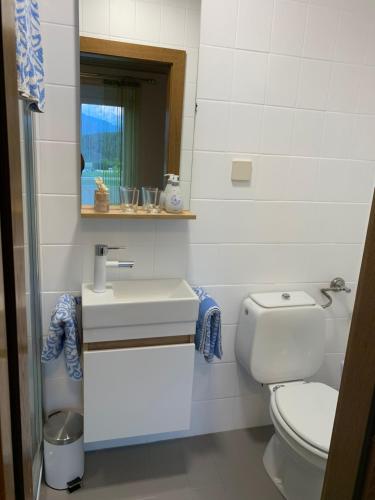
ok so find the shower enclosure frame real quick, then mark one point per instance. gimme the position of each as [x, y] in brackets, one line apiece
[15, 443]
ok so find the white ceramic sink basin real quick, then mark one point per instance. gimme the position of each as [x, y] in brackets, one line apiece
[138, 302]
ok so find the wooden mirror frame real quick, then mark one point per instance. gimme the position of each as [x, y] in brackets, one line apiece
[176, 60]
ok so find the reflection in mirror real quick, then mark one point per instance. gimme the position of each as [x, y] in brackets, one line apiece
[137, 100]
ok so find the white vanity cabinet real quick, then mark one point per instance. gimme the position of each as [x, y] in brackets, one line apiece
[137, 391]
[138, 358]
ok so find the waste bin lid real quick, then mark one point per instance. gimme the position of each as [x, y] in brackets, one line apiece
[63, 427]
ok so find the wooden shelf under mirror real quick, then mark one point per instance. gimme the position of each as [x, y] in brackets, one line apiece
[116, 213]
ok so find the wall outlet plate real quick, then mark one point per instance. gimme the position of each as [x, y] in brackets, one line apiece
[241, 170]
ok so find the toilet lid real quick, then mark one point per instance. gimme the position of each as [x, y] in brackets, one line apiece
[309, 410]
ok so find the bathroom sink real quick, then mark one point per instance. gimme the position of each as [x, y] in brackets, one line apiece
[138, 302]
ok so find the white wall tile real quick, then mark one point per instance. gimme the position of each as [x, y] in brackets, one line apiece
[337, 135]
[250, 412]
[245, 127]
[288, 27]
[285, 222]
[352, 37]
[59, 169]
[60, 54]
[173, 25]
[344, 88]
[282, 81]
[59, 220]
[61, 268]
[277, 130]
[301, 183]
[191, 65]
[366, 91]
[272, 172]
[215, 73]
[211, 127]
[363, 138]
[193, 27]
[337, 333]
[330, 371]
[147, 21]
[254, 24]
[187, 136]
[307, 133]
[59, 122]
[356, 180]
[342, 223]
[203, 262]
[62, 392]
[218, 216]
[219, 25]
[55, 11]
[215, 415]
[313, 84]
[122, 18]
[95, 17]
[370, 49]
[214, 381]
[321, 31]
[249, 79]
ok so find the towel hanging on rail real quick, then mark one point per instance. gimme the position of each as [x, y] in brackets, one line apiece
[64, 335]
[29, 54]
[208, 330]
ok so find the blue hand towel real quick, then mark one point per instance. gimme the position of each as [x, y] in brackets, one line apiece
[29, 54]
[63, 334]
[208, 329]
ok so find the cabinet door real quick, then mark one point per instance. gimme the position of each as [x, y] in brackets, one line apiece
[137, 391]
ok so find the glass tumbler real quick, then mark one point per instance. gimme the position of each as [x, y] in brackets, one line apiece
[129, 199]
[151, 199]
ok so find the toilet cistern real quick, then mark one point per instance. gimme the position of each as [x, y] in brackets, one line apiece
[101, 264]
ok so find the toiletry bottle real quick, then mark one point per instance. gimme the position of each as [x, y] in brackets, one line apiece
[164, 193]
[173, 196]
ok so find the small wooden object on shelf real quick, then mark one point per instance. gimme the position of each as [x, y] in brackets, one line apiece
[101, 201]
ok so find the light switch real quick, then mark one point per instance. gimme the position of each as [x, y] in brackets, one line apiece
[241, 170]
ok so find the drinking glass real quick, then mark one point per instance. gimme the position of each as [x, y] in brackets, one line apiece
[151, 199]
[129, 199]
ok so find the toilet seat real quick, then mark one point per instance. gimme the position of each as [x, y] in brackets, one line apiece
[304, 415]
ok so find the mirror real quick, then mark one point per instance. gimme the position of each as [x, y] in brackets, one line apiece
[137, 100]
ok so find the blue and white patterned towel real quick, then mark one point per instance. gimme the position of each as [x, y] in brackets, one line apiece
[29, 53]
[208, 329]
[63, 334]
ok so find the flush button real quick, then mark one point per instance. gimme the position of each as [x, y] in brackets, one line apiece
[286, 296]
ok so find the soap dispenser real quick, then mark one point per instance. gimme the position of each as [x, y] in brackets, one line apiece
[167, 189]
[173, 195]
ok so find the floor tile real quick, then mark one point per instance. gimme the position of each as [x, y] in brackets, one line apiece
[223, 466]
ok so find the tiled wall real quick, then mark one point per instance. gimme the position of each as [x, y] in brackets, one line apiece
[288, 84]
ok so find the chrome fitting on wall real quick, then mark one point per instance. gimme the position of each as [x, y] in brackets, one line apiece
[336, 285]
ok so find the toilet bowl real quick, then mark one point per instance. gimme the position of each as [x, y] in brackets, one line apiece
[280, 342]
[295, 458]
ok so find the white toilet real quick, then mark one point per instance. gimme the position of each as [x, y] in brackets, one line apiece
[280, 342]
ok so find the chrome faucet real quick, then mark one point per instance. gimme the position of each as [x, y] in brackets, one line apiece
[101, 264]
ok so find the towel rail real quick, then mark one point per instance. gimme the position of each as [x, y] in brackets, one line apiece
[336, 285]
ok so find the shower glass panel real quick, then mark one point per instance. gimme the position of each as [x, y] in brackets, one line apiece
[33, 310]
